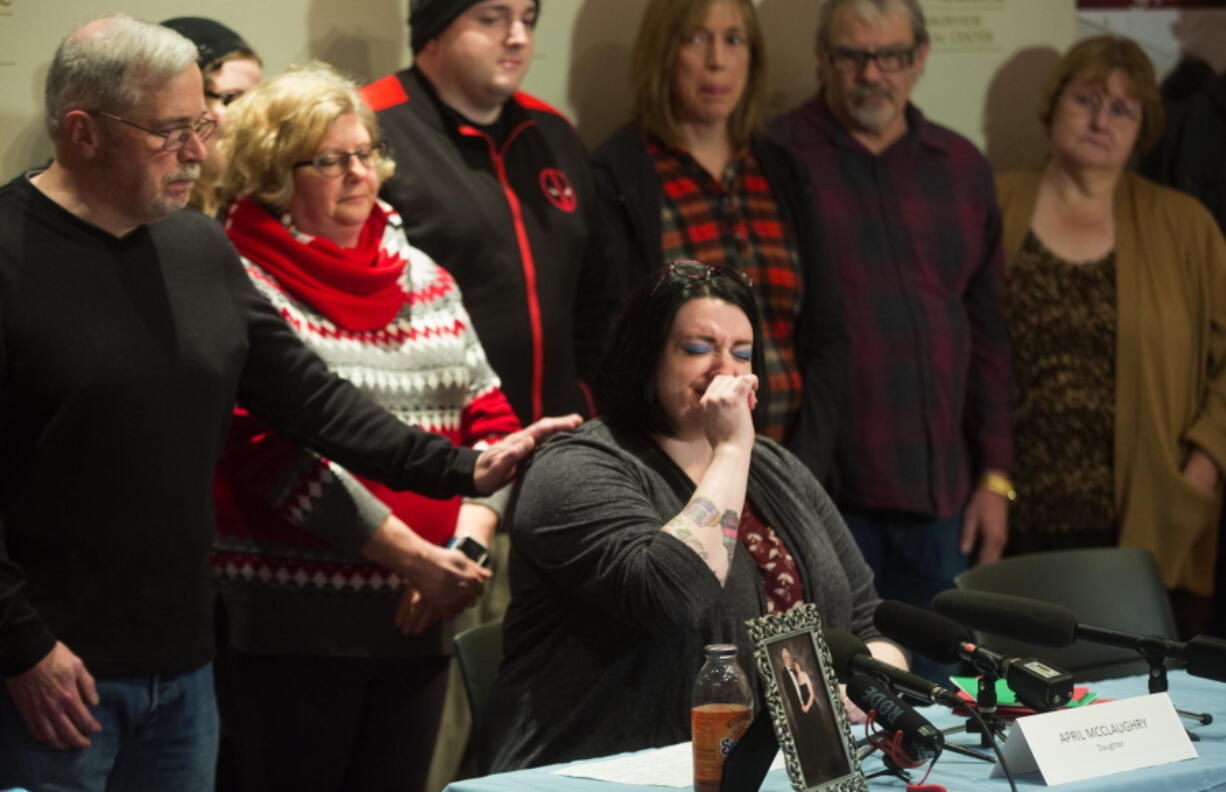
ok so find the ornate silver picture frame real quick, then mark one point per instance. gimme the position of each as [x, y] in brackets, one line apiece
[805, 705]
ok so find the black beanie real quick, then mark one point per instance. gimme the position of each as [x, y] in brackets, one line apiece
[428, 18]
[212, 39]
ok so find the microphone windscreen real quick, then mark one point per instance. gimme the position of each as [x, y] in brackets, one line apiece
[893, 714]
[1019, 618]
[859, 689]
[843, 649]
[922, 631]
[1206, 657]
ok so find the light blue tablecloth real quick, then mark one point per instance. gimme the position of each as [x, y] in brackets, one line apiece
[963, 774]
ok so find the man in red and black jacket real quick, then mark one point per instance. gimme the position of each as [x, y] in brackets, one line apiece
[494, 184]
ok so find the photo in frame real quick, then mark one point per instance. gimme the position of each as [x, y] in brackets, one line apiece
[802, 696]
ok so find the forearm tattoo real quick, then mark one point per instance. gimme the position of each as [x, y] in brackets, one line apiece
[687, 536]
[702, 511]
[728, 525]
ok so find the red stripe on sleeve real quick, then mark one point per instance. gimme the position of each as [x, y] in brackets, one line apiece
[384, 93]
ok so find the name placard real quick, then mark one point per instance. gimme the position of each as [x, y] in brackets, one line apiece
[1099, 740]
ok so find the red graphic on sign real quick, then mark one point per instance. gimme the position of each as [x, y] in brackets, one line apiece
[557, 188]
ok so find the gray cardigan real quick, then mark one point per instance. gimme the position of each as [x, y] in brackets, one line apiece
[609, 614]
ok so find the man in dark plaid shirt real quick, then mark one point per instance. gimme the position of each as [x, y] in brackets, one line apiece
[908, 211]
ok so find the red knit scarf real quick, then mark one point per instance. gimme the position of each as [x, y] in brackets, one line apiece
[357, 288]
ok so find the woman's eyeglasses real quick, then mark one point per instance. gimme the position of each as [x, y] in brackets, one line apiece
[696, 270]
[1119, 111]
[335, 163]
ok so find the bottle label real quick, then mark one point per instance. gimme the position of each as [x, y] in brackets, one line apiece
[716, 729]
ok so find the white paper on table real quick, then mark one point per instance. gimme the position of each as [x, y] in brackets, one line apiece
[672, 766]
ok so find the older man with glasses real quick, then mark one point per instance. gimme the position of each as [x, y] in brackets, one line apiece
[909, 214]
[127, 332]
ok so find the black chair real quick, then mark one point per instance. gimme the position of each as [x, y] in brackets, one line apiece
[479, 652]
[1118, 588]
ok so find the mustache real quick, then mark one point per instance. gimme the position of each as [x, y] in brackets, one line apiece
[187, 172]
[862, 92]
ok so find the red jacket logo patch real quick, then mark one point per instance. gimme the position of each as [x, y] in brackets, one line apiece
[557, 188]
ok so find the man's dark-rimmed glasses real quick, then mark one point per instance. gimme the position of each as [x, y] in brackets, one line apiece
[895, 59]
[225, 98]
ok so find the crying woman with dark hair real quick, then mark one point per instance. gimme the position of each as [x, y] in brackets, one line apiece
[657, 529]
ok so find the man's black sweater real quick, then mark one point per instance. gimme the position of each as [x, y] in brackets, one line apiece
[120, 362]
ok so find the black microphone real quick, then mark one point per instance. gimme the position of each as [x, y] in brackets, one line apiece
[1037, 684]
[851, 656]
[920, 739]
[1048, 624]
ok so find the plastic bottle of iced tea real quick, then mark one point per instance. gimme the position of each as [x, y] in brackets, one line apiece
[721, 711]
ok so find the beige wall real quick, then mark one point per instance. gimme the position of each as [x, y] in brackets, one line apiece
[1165, 34]
[980, 78]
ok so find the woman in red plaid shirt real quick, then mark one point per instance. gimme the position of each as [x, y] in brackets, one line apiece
[692, 177]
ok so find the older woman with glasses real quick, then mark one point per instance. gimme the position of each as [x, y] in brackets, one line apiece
[657, 529]
[693, 176]
[339, 591]
[1117, 307]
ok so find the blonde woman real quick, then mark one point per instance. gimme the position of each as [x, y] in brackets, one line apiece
[339, 591]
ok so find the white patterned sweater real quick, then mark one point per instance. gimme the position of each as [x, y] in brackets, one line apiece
[290, 523]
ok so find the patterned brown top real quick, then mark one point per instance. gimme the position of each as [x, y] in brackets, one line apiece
[1063, 323]
[780, 575]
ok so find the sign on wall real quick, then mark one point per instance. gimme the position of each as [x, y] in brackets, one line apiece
[967, 25]
[1142, 4]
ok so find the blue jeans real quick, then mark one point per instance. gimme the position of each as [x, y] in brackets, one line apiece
[913, 560]
[158, 732]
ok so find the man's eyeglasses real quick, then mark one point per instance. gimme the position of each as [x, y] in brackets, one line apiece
[172, 139]
[1119, 111]
[696, 270]
[335, 163]
[225, 98]
[849, 60]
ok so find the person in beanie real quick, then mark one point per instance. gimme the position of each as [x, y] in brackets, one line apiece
[524, 249]
[230, 68]
[494, 185]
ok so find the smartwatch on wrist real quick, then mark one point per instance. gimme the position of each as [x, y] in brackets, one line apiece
[476, 552]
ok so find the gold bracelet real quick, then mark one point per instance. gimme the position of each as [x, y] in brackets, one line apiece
[1001, 485]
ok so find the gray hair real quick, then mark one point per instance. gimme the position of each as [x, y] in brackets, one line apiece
[109, 63]
[919, 28]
